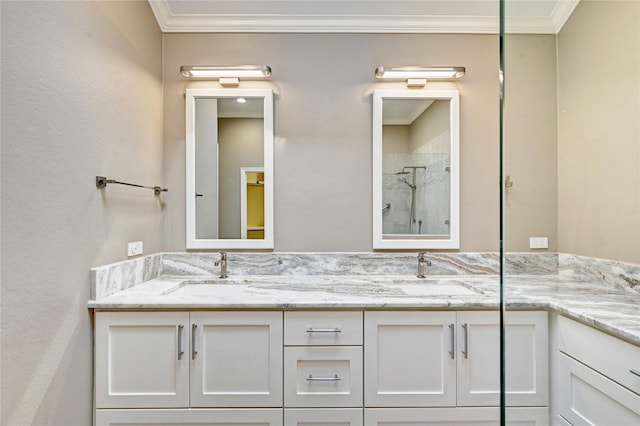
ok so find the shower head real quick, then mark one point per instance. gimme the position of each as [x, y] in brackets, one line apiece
[403, 173]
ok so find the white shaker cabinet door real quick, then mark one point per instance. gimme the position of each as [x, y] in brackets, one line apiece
[204, 417]
[236, 359]
[141, 359]
[408, 359]
[465, 416]
[526, 363]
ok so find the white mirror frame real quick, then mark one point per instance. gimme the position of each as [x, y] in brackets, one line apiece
[191, 94]
[453, 242]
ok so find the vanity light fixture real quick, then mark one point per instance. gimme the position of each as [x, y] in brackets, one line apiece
[228, 76]
[418, 76]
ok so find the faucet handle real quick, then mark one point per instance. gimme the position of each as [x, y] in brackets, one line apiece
[422, 259]
[223, 258]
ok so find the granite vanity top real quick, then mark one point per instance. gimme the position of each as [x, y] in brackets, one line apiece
[612, 310]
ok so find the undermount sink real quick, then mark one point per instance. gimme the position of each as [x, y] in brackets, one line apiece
[207, 288]
[436, 290]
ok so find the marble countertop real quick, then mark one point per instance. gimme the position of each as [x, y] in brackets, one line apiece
[612, 310]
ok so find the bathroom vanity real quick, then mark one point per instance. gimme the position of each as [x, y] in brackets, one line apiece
[316, 366]
[362, 350]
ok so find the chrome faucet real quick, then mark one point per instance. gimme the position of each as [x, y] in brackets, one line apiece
[223, 264]
[421, 262]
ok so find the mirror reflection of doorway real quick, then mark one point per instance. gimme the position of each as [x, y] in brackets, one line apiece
[252, 202]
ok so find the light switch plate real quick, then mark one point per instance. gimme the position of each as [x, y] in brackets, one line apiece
[538, 242]
[134, 249]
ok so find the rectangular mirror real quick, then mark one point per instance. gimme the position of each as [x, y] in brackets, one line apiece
[416, 169]
[229, 182]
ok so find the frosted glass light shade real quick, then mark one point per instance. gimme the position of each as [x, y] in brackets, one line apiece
[429, 73]
[217, 72]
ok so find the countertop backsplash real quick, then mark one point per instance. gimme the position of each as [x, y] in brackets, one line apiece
[112, 278]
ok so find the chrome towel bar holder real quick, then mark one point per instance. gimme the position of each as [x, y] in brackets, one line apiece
[101, 182]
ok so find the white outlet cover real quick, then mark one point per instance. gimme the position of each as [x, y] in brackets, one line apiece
[538, 242]
[135, 248]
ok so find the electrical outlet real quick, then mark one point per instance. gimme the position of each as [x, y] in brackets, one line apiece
[538, 242]
[134, 249]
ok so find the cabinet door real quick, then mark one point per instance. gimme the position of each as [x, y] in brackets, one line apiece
[323, 417]
[432, 416]
[236, 359]
[478, 358]
[466, 416]
[409, 359]
[213, 417]
[141, 359]
[589, 398]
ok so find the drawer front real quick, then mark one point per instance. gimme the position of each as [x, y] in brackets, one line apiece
[322, 328]
[323, 417]
[323, 376]
[462, 416]
[589, 398]
[606, 354]
[186, 417]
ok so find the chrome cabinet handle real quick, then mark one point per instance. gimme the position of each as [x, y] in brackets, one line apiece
[635, 372]
[335, 378]
[193, 341]
[452, 334]
[180, 351]
[323, 330]
[465, 349]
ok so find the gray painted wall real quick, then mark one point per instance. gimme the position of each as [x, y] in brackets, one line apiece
[599, 131]
[81, 96]
[323, 85]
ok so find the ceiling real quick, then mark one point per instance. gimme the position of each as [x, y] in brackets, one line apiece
[361, 16]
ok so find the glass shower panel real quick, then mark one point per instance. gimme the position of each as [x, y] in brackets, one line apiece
[570, 202]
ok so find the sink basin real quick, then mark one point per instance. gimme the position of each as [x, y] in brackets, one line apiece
[208, 288]
[436, 290]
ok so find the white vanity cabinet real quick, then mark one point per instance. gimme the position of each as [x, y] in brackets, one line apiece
[526, 353]
[437, 360]
[323, 372]
[598, 377]
[198, 417]
[321, 368]
[159, 360]
[409, 359]
[236, 359]
[141, 359]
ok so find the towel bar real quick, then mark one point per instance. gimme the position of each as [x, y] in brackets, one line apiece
[101, 182]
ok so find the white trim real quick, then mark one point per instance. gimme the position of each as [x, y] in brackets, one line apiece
[323, 24]
[411, 242]
[191, 241]
[417, 24]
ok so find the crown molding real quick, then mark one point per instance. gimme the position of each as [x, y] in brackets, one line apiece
[248, 23]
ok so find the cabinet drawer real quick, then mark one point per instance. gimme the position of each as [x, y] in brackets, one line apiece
[311, 328]
[323, 376]
[201, 417]
[606, 354]
[323, 417]
[463, 416]
[589, 398]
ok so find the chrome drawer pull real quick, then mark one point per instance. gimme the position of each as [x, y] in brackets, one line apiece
[323, 330]
[335, 378]
[452, 333]
[193, 341]
[635, 372]
[465, 351]
[180, 351]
